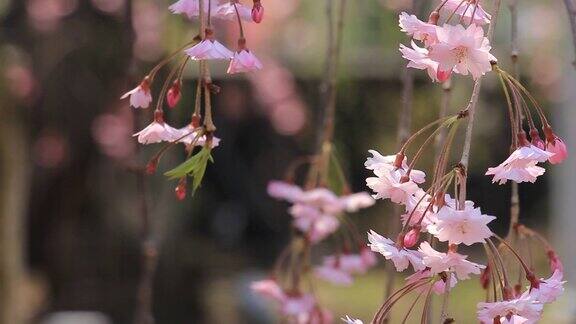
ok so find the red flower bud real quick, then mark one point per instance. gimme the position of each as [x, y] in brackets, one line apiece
[257, 12]
[485, 277]
[151, 166]
[180, 190]
[174, 94]
[443, 75]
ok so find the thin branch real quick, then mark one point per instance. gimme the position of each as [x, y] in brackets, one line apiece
[471, 109]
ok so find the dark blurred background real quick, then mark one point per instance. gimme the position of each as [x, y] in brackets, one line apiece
[70, 225]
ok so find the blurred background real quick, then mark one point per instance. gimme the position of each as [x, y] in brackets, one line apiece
[70, 224]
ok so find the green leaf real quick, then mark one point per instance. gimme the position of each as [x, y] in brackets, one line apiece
[194, 167]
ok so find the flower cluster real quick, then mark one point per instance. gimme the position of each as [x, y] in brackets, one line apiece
[449, 48]
[317, 213]
[199, 133]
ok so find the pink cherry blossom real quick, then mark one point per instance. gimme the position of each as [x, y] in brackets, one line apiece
[389, 185]
[354, 263]
[228, 12]
[269, 288]
[451, 261]
[354, 202]
[349, 320]
[244, 61]
[140, 97]
[417, 29]
[190, 8]
[298, 305]
[467, 9]
[514, 319]
[466, 226]
[419, 58]
[523, 306]
[558, 148]
[550, 289]
[401, 257]
[381, 163]
[438, 287]
[284, 190]
[158, 131]
[520, 166]
[315, 224]
[332, 271]
[464, 50]
[209, 49]
[189, 134]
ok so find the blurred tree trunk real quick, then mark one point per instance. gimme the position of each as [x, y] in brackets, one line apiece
[13, 195]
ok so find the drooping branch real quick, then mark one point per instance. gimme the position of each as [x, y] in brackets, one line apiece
[471, 112]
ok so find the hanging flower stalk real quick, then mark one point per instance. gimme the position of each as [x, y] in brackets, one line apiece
[442, 210]
[198, 137]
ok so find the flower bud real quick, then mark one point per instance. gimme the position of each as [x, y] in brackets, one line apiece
[411, 238]
[174, 94]
[151, 166]
[555, 145]
[399, 159]
[485, 277]
[257, 12]
[180, 190]
[443, 75]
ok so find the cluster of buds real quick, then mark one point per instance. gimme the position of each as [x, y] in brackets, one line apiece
[199, 133]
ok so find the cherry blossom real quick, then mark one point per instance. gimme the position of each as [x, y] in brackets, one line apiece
[389, 185]
[556, 146]
[354, 263]
[228, 11]
[380, 162]
[140, 97]
[550, 289]
[464, 50]
[419, 58]
[438, 286]
[514, 319]
[440, 262]
[189, 134]
[520, 166]
[417, 29]
[312, 222]
[269, 288]
[298, 305]
[349, 320]
[467, 9]
[466, 226]
[158, 131]
[244, 61]
[332, 271]
[190, 8]
[401, 257]
[209, 49]
[523, 306]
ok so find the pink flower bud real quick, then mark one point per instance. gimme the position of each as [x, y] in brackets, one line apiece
[257, 12]
[173, 96]
[411, 238]
[536, 140]
[555, 145]
[443, 75]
